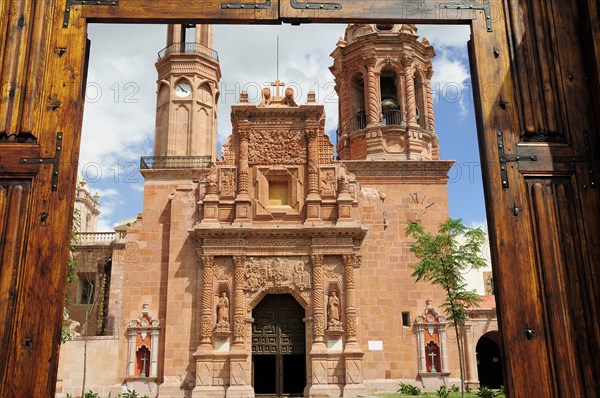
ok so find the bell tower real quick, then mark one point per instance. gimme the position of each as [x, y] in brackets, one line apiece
[382, 74]
[187, 95]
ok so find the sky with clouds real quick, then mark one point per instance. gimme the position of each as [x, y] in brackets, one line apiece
[119, 116]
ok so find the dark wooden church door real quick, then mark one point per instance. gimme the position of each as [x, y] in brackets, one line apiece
[278, 347]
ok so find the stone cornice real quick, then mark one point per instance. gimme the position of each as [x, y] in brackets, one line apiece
[256, 239]
[406, 169]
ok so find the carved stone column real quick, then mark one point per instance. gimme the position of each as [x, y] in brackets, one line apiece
[430, 121]
[204, 353]
[470, 356]
[373, 103]
[317, 299]
[401, 94]
[239, 325]
[239, 373]
[349, 261]
[207, 264]
[242, 201]
[353, 355]
[313, 200]
[409, 81]
[318, 352]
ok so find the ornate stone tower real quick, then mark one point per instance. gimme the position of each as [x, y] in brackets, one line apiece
[382, 75]
[186, 107]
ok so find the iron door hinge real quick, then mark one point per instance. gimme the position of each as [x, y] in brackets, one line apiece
[485, 7]
[71, 3]
[314, 6]
[233, 6]
[504, 159]
[55, 161]
[582, 159]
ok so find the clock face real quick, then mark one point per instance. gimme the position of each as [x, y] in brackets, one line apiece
[422, 200]
[183, 89]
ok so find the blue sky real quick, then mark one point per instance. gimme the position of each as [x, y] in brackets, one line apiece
[120, 101]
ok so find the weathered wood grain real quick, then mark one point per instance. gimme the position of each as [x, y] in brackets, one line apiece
[545, 255]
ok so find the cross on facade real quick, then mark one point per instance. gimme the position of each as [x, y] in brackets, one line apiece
[433, 355]
[144, 360]
[277, 83]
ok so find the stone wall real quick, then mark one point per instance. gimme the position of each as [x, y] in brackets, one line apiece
[101, 372]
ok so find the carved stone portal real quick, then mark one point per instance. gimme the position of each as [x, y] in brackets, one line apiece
[264, 272]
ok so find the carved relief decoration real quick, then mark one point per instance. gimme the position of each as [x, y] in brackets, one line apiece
[228, 183]
[228, 150]
[276, 272]
[333, 268]
[223, 269]
[277, 147]
[327, 183]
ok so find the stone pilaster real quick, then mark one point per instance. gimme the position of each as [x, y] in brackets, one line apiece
[313, 200]
[353, 355]
[242, 201]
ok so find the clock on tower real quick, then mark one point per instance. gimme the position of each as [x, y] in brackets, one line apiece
[186, 107]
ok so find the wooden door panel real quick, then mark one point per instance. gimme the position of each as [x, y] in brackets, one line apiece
[536, 85]
[171, 11]
[353, 11]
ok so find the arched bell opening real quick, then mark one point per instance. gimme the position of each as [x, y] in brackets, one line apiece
[390, 104]
[358, 119]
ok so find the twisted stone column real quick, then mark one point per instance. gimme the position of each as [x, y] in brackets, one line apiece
[349, 261]
[401, 94]
[317, 296]
[374, 105]
[313, 161]
[429, 100]
[239, 326]
[243, 162]
[207, 300]
[411, 103]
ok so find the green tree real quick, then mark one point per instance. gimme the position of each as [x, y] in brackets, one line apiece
[444, 258]
[71, 273]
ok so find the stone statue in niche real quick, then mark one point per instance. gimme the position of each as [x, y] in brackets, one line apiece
[223, 313]
[333, 312]
[328, 183]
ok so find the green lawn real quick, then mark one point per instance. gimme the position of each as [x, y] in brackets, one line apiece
[430, 395]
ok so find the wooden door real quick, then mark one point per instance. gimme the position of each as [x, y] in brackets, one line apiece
[279, 346]
[536, 67]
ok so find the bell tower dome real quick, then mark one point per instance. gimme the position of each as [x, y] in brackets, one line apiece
[382, 74]
[187, 95]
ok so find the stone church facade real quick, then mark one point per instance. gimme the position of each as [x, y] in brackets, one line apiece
[276, 270]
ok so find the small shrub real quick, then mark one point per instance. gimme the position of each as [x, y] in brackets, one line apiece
[455, 388]
[502, 390]
[409, 389]
[91, 394]
[69, 395]
[443, 392]
[484, 392]
[129, 394]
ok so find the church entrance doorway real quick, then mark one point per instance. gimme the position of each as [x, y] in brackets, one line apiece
[278, 347]
[489, 361]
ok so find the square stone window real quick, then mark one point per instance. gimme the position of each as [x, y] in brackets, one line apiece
[278, 193]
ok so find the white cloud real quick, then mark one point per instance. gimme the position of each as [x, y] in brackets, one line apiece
[120, 102]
